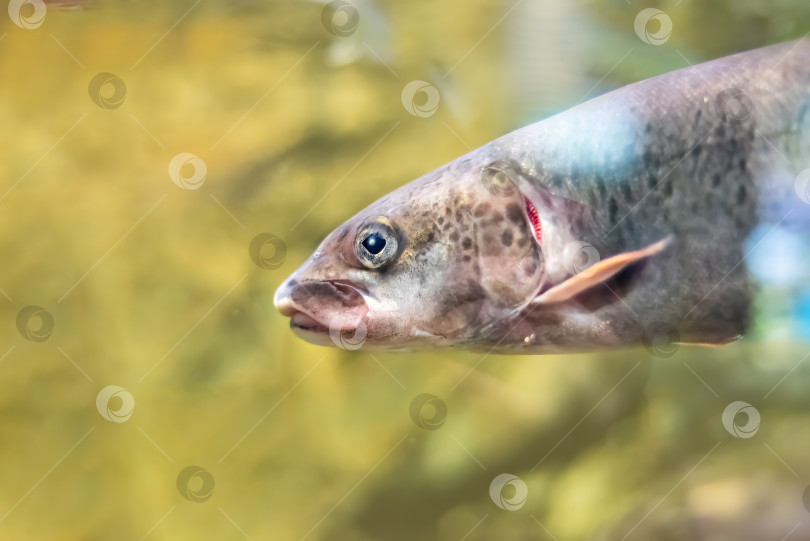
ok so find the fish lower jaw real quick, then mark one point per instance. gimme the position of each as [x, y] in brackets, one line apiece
[310, 330]
[300, 320]
[313, 331]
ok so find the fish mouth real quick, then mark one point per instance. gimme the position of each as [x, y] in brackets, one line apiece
[304, 322]
[310, 330]
[319, 309]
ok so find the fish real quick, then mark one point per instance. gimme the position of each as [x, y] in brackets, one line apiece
[623, 221]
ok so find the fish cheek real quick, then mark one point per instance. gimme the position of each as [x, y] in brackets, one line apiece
[439, 282]
[509, 259]
[458, 307]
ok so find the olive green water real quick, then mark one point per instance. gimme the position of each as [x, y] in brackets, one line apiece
[151, 288]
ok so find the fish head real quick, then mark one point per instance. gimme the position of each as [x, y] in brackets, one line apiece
[431, 264]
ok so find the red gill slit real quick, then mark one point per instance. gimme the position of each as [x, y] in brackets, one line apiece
[534, 218]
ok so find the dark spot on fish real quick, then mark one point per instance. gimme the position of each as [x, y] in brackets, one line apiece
[506, 237]
[557, 180]
[492, 246]
[667, 189]
[652, 181]
[447, 226]
[466, 243]
[447, 210]
[733, 146]
[530, 268]
[716, 180]
[741, 194]
[441, 220]
[292, 282]
[497, 218]
[481, 209]
[514, 213]
[522, 242]
[431, 237]
[466, 258]
[454, 236]
[613, 209]
[648, 127]
[698, 114]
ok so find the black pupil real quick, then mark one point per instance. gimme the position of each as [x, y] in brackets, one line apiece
[374, 243]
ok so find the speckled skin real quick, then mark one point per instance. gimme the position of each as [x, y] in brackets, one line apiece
[702, 156]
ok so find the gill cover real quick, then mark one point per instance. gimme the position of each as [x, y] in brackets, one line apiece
[549, 226]
[509, 259]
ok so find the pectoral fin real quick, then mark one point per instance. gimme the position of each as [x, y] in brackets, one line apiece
[597, 274]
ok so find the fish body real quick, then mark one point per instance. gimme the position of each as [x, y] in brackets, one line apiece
[624, 220]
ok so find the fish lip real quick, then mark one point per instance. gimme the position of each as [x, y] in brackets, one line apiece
[305, 320]
[348, 283]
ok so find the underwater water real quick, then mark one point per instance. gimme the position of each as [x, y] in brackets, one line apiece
[152, 391]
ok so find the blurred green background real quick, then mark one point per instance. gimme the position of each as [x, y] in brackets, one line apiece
[151, 287]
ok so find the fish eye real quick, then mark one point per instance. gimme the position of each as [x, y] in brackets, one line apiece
[376, 244]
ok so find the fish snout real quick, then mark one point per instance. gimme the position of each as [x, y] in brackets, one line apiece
[321, 307]
[283, 298]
